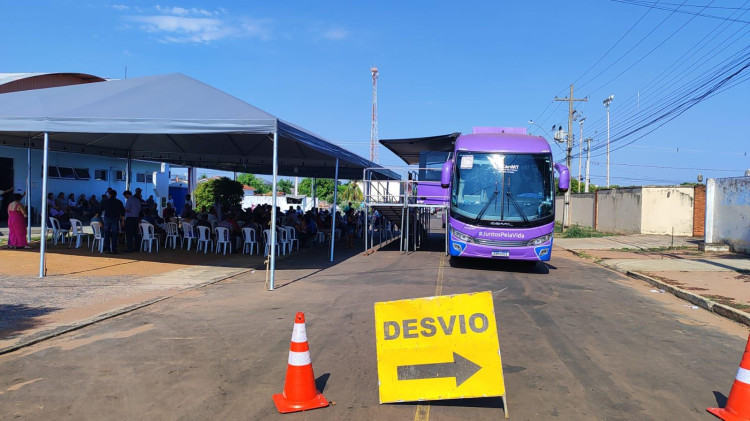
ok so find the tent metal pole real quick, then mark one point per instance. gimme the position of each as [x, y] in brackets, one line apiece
[28, 192]
[333, 207]
[128, 170]
[314, 188]
[43, 241]
[272, 249]
[367, 212]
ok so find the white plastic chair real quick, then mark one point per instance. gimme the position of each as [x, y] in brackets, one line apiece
[267, 241]
[291, 235]
[57, 232]
[172, 234]
[76, 228]
[97, 228]
[320, 237]
[282, 236]
[187, 234]
[223, 239]
[248, 234]
[147, 237]
[204, 238]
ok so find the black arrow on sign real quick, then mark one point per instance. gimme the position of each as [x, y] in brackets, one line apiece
[460, 368]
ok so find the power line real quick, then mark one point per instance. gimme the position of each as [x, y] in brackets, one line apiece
[655, 6]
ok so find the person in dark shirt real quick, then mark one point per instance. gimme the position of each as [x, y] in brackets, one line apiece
[112, 210]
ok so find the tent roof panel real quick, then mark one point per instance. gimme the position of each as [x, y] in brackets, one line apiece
[170, 118]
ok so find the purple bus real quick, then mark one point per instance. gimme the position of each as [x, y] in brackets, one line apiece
[502, 195]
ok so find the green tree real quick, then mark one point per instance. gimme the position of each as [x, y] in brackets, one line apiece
[323, 188]
[222, 190]
[351, 193]
[287, 186]
[260, 185]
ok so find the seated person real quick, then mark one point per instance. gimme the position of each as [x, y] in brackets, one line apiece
[149, 217]
[168, 212]
[62, 217]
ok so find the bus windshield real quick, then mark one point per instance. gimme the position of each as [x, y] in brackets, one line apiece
[498, 189]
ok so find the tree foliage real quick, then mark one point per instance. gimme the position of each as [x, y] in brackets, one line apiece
[222, 190]
[284, 185]
[323, 189]
[351, 193]
[260, 185]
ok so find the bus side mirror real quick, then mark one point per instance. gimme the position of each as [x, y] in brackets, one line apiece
[445, 175]
[564, 181]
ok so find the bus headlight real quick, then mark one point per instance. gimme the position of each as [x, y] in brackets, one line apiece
[461, 236]
[539, 240]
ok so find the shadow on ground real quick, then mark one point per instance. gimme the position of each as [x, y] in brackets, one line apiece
[16, 318]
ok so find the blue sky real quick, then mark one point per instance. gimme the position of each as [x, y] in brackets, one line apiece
[444, 67]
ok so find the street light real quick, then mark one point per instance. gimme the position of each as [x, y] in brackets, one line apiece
[606, 103]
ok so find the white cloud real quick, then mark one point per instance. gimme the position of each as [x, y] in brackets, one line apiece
[183, 25]
[336, 34]
[120, 7]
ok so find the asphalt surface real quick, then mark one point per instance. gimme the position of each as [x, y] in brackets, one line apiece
[578, 342]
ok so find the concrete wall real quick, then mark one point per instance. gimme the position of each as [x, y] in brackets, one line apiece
[665, 209]
[728, 212]
[620, 210]
[88, 187]
[582, 209]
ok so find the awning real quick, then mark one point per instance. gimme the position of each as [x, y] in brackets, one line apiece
[409, 149]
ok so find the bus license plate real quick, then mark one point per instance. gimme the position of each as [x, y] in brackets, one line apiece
[500, 253]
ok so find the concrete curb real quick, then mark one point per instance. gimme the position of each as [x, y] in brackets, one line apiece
[702, 302]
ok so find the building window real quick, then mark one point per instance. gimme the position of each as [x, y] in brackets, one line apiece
[82, 174]
[52, 172]
[140, 178]
[100, 175]
[119, 175]
[67, 172]
[149, 178]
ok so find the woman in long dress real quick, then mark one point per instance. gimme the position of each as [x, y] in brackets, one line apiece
[17, 223]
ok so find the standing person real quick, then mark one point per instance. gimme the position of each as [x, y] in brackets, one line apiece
[112, 209]
[17, 223]
[170, 201]
[132, 214]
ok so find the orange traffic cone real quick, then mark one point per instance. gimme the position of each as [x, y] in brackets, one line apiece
[738, 404]
[300, 393]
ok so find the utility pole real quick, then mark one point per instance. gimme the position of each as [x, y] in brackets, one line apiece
[606, 103]
[588, 157]
[570, 99]
[374, 124]
[580, 153]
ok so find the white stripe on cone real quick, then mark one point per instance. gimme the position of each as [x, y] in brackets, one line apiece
[299, 334]
[298, 359]
[743, 376]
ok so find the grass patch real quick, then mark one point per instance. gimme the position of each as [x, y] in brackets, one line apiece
[728, 301]
[577, 231]
[655, 249]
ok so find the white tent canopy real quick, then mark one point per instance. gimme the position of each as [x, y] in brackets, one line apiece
[169, 118]
[175, 119]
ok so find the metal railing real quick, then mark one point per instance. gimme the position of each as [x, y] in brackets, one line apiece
[404, 196]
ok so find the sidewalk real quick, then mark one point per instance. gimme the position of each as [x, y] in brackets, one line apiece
[82, 288]
[718, 282]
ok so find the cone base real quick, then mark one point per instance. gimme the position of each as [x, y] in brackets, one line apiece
[726, 415]
[284, 406]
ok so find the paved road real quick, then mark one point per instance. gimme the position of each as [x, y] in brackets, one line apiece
[578, 342]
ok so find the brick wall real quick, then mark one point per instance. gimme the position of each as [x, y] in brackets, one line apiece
[699, 211]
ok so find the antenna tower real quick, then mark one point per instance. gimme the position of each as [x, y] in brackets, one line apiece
[374, 125]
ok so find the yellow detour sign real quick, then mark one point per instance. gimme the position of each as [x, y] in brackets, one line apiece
[438, 348]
